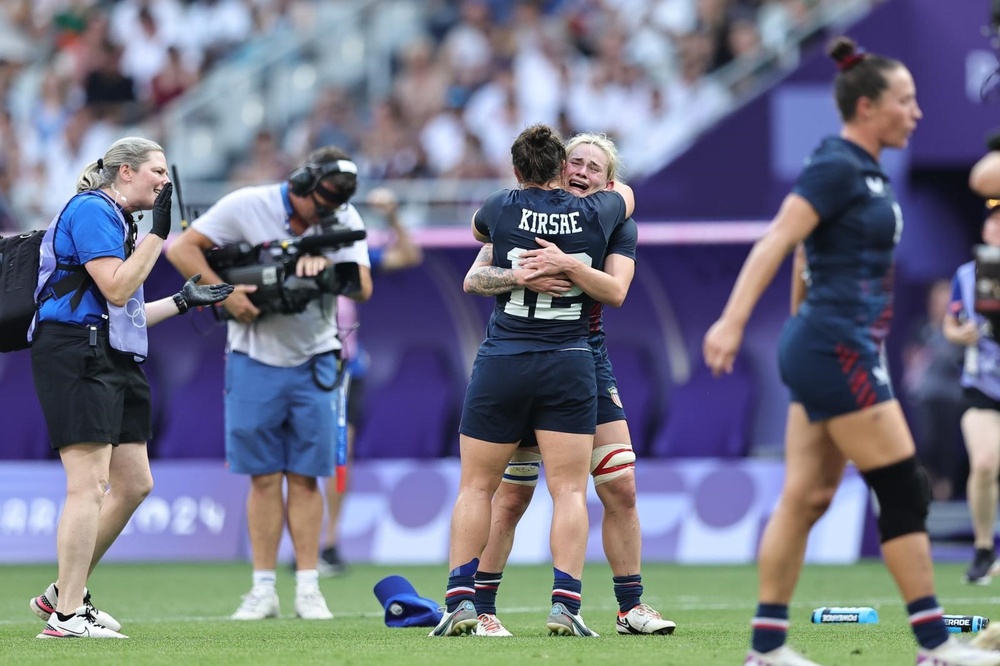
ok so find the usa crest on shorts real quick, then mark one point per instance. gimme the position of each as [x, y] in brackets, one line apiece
[615, 398]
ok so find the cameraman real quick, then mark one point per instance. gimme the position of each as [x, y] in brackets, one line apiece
[280, 409]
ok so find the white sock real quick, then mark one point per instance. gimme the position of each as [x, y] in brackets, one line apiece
[263, 578]
[306, 580]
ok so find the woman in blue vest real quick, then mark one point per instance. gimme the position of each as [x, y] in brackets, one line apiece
[88, 340]
[981, 387]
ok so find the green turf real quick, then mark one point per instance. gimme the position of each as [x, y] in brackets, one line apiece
[177, 614]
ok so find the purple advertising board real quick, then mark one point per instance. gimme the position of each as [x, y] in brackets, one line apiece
[399, 511]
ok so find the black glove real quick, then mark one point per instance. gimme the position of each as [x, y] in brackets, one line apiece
[192, 294]
[161, 212]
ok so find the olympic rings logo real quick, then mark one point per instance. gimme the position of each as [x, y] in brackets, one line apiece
[136, 312]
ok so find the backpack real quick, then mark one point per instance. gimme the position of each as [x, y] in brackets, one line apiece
[19, 257]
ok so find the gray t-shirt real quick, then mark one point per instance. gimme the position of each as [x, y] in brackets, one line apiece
[255, 215]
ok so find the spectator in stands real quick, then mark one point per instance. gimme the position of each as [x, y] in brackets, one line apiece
[110, 94]
[87, 344]
[281, 368]
[421, 85]
[932, 366]
[832, 358]
[980, 377]
[331, 122]
[172, 80]
[533, 371]
[390, 148]
[398, 254]
[266, 163]
[591, 166]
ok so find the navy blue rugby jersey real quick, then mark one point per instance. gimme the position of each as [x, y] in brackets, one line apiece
[523, 320]
[850, 253]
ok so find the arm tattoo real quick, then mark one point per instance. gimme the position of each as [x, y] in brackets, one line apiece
[488, 280]
[492, 280]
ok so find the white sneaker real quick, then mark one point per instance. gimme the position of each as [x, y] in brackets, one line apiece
[310, 605]
[45, 605]
[258, 604]
[80, 625]
[490, 625]
[782, 656]
[643, 620]
[956, 653]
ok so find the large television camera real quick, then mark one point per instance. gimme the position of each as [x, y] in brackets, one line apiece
[270, 266]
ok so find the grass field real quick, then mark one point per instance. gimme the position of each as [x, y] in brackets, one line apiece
[177, 614]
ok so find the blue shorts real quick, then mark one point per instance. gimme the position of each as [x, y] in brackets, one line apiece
[277, 419]
[509, 395]
[609, 403]
[830, 377]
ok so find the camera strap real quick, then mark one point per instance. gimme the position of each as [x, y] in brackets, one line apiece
[337, 380]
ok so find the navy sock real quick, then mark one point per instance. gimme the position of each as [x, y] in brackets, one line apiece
[927, 620]
[628, 591]
[770, 627]
[461, 585]
[487, 585]
[566, 590]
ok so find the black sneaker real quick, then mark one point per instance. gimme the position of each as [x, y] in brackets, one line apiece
[330, 564]
[981, 571]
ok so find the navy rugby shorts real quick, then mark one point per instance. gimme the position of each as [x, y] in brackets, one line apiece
[609, 403]
[509, 395]
[830, 377]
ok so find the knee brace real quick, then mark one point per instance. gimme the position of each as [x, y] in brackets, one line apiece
[523, 468]
[611, 461]
[903, 492]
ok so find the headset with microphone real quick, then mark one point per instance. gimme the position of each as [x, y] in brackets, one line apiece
[308, 179]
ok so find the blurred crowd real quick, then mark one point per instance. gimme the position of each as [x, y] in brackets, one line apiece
[74, 74]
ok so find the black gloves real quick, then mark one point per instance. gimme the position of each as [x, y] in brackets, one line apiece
[191, 294]
[161, 212]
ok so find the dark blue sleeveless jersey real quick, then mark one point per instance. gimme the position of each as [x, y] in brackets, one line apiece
[523, 320]
[850, 253]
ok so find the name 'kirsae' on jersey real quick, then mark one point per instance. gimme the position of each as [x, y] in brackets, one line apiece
[550, 223]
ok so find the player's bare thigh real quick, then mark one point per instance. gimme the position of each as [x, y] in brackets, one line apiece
[874, 437]
[813, 463]
[612, 432]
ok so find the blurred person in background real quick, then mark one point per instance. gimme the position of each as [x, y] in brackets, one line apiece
[932, 366]
[591, 166]
[88, 340]
[984, 180]
[831, 356]
[399, 253]
[281, 369]
[980, 379]
[535, 370]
